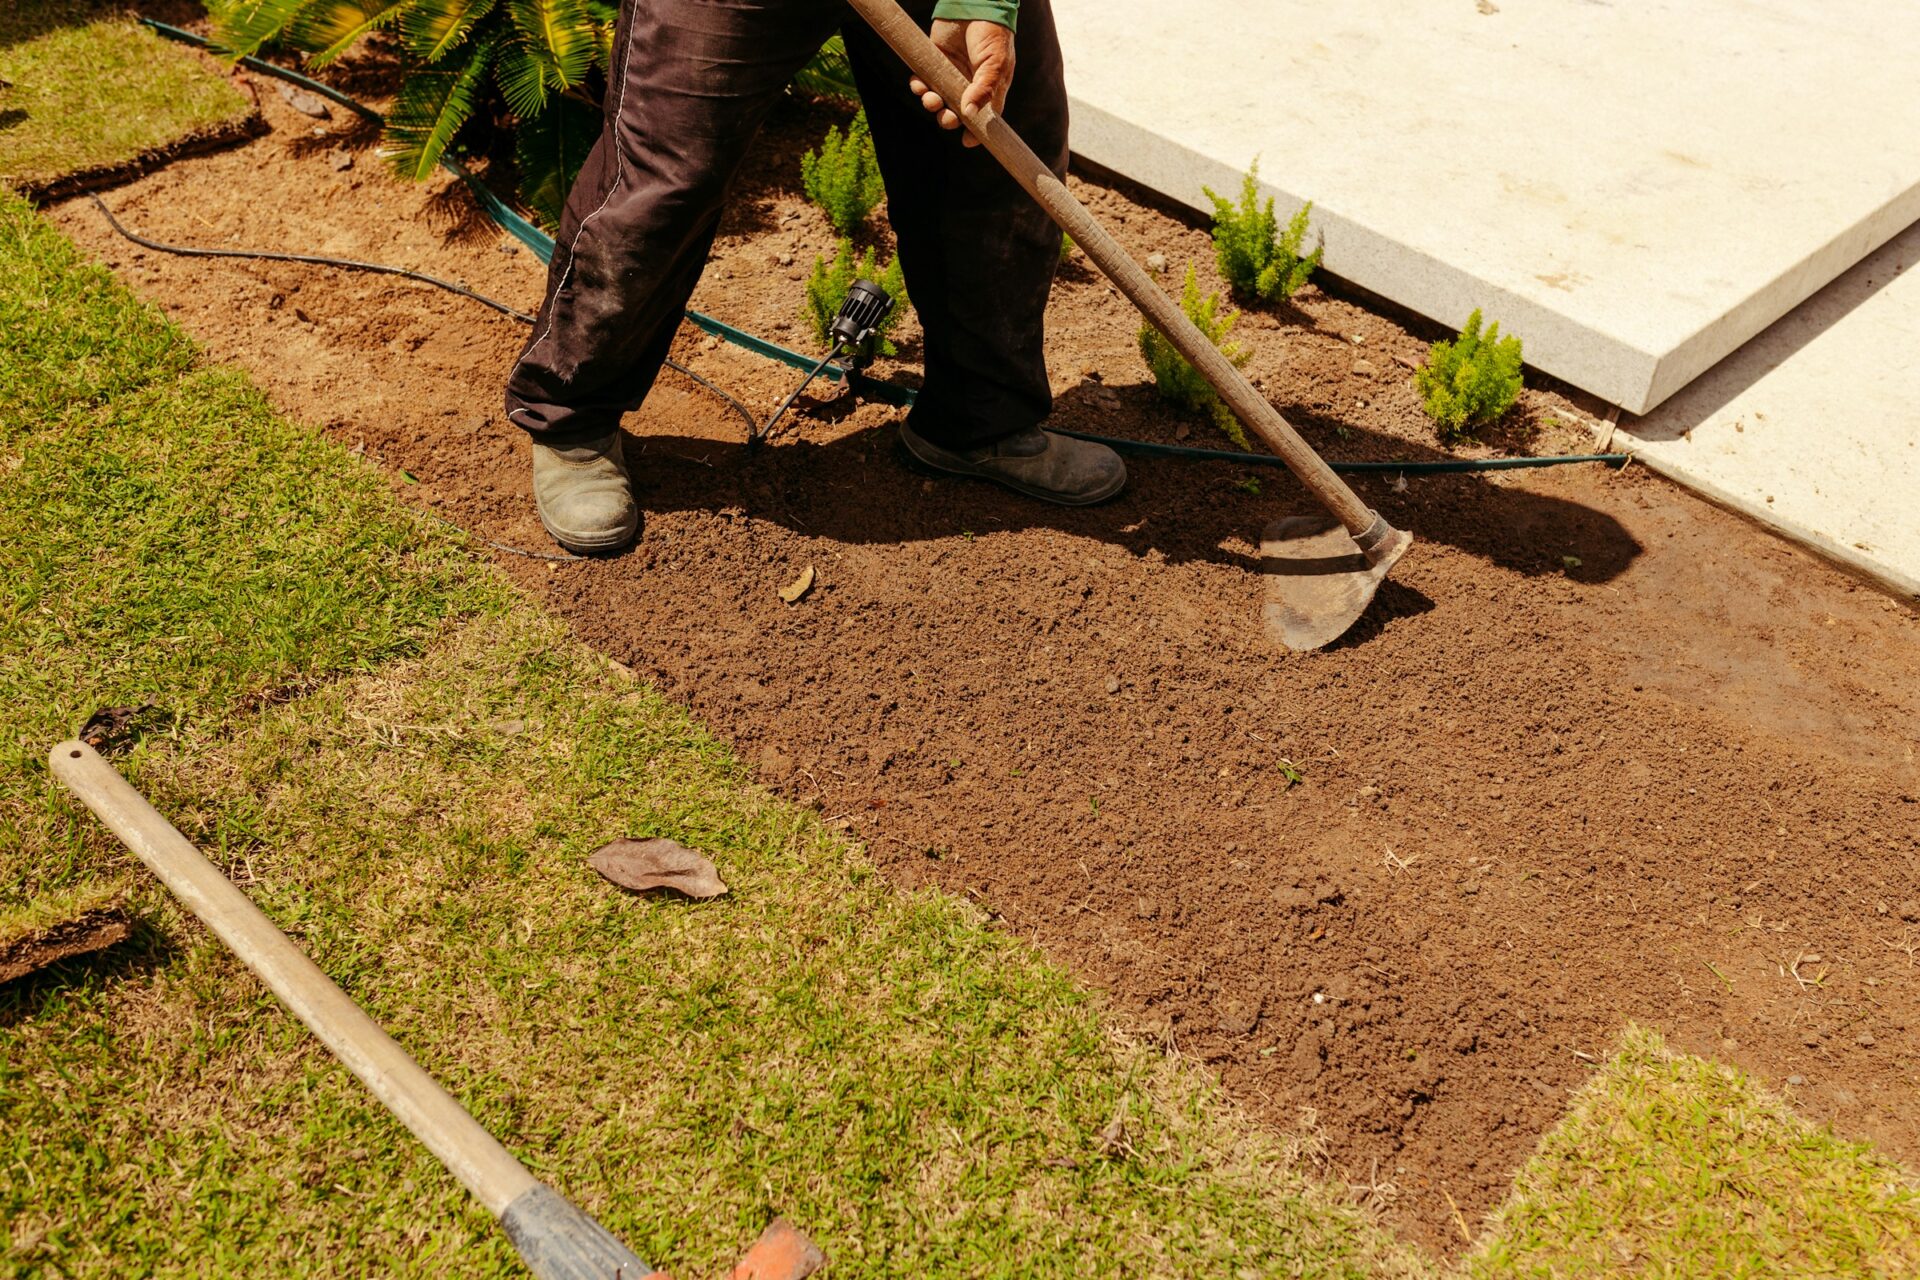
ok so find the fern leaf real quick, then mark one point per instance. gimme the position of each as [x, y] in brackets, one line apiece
[432, 28]
[559, 35]
[548, 150]
[328, 28]
[432, 105]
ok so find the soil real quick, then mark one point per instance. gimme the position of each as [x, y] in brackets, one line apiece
[90, 931]
[1599, 753]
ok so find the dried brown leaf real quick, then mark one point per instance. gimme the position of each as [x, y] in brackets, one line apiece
[792, 592]
[658, 863]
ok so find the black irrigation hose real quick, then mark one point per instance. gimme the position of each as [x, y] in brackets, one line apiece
[379, 268]
[1436, 466]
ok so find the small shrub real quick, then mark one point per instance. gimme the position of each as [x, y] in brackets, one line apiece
[827, 289]
[1471, 381]
[1256, 258]
[1176, 379]
[843, 177]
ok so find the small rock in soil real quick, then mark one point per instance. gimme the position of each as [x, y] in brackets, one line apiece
[1156, 262]
[1365, 369]
[307, 104]
[1796, 1080]
[786, 259]
[1146, 908]
[1237, 1017]
[1865, 1040]
[341, 161]
[1113, 684]
[1910, 911]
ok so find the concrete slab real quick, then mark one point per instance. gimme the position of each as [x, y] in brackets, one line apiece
[1634, 188]
[1814, 426]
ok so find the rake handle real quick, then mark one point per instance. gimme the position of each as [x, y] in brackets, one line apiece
[1370, 531]
[556, 1240]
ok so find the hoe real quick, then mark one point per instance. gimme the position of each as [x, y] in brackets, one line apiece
[1324, 571]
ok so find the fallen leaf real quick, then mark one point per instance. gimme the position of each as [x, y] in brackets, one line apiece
[792, 592]
[658, 863]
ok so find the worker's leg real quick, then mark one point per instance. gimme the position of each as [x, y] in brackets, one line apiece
[979, 254]
[689, 86]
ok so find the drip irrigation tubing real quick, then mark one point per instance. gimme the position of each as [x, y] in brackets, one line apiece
[542, 246]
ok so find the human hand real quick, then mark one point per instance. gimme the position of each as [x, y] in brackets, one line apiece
[983, 52]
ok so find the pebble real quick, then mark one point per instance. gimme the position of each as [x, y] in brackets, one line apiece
[341, 161]
[1145, 908]
[1865, 1040]
[307, 104]
[1113, 684]
[1796, 1080]
[1910, 910]
[1365, 369]
[1156, 262]
[785, 259]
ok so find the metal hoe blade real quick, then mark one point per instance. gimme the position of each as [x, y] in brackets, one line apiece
[1319, 582]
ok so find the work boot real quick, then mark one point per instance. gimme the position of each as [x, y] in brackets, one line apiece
[1040, 464]
[584, 496]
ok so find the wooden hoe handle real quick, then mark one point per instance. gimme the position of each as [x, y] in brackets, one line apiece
[556, 1240]
[903, 35]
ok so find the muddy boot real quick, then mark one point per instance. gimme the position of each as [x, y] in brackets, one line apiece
[584, 496]
[1040, 464]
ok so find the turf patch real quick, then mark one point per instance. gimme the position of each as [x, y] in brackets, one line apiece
[94, 98]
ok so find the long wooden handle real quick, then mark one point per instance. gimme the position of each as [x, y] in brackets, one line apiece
[556, 1239]
[906, 38]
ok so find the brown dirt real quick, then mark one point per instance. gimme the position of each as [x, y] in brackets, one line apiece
[1599, 753]
[90, 931]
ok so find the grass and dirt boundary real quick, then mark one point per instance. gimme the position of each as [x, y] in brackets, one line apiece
[404, 761]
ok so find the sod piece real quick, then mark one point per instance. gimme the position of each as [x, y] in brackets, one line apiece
[1670, 1165]
[91, 98]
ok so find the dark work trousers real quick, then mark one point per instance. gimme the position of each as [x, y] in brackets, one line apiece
[691, 83]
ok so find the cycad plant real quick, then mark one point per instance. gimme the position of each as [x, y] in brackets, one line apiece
[544, 59]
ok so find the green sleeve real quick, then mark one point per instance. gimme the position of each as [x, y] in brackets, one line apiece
[1000, 11]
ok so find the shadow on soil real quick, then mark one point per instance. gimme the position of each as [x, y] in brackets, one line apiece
[853, 489]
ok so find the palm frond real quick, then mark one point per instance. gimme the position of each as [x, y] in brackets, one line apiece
[432, 105]
[828, 74]
[328, 28]
[522, 77]
[432, 28]
[548, 150]
[240, 27]
[559, 35]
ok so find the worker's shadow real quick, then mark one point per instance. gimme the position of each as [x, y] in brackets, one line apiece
[854, 488]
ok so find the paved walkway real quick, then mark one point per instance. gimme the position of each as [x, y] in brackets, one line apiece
[1814, 426]
[1634, 188]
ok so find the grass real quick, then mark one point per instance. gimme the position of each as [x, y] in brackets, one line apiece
[405, 763]
[90, 92]
[1669, 1165]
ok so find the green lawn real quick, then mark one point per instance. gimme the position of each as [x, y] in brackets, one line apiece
[404, 762]
[89, 91]
[921, 1093]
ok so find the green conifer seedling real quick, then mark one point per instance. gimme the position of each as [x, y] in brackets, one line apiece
[843, 176]
[1257, 259]
[1471, 381]
[827, 289]
[1181, 383]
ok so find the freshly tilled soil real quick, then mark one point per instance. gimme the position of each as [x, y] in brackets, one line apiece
[1599, 753]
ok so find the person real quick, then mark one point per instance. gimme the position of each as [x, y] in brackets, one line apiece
[689, 85]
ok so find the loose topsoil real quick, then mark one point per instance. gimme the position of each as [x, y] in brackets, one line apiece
[1599, 753]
